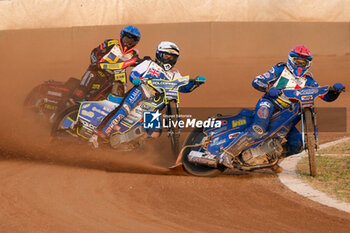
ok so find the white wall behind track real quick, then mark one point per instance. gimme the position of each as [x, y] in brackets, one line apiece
[28, 14]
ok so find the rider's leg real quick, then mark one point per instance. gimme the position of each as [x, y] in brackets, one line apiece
[86, 81]
[113, 118]
[117, 115]
[294, 143]
[263, 111]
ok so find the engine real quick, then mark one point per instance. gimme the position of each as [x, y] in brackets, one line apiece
[263, 153]
[129, 139]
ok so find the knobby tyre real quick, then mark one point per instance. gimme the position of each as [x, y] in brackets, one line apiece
[196, 137]
[174, 135]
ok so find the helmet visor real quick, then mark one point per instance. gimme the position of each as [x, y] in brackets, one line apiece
[301, 62]
[169, 58]
[129, 40]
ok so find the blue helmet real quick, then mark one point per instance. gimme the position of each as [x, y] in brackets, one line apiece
[299, 60]
[129, 37]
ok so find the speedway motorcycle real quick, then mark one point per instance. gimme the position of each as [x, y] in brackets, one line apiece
[52, 97]
[80, 121]
[203, 146]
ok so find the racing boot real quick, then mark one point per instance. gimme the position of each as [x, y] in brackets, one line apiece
[277, 169]
[94, 141]
[226, 160]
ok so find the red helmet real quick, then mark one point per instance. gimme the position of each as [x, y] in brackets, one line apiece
[299, 60]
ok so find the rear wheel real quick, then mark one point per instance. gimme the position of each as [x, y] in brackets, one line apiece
[310, 141]
[196, 137]
[60, 127]
[34, 100]
[174, 131]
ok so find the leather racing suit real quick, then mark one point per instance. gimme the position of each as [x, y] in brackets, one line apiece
[107, 72]
[279, 77]
[146, 70]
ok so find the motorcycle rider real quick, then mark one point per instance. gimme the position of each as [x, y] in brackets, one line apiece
[167, 54]
[104, 76]
[291, 75]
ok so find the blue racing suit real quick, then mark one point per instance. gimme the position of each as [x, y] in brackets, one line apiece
[278, 77]
[146, 70]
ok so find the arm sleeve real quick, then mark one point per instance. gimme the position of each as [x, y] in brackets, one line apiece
[139, 70]
[263, 81]
[98, 52]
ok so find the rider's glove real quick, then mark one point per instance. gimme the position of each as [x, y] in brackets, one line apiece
[200, 79]
[338, 87]
[136, 81]
[274, 92]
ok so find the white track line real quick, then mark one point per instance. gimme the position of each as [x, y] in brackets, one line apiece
[289, 178]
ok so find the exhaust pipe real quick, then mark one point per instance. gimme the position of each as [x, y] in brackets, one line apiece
[201, 158]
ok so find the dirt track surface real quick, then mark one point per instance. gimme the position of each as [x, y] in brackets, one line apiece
[50, 188]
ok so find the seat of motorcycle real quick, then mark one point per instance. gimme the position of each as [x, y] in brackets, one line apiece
[115, 99]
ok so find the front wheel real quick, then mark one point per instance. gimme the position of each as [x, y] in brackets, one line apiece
[310, 141]
[194, 138]
[173, 131]
[62, 125]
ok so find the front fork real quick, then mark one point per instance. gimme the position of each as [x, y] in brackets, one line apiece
[172, 119]
[314, 119]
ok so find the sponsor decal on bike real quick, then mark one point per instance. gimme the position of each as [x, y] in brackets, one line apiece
[223, 122]
[306, 92]
[50, 107]
[107, 109]
[114, 123]
[217, 141]
[306, 97]
[85, 106]
[99, 111]
[46, 100]
[54, 93]
[233, 135]
[238, 123]
[87, 125]
[86, 113]
[222, 129]
[146, 107]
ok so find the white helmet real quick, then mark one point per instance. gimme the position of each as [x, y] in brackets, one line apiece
[167, 54]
